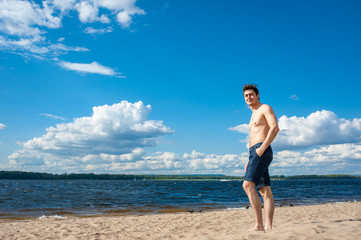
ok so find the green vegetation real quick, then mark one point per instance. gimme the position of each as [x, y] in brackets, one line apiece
[92, 176]
[329, 176]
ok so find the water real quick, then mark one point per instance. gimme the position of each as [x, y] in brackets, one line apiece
[35, 198]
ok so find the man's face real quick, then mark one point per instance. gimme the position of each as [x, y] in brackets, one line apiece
[250, 97]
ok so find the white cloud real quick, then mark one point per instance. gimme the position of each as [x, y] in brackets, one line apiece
[58, 47]
[338, 158]
[217, 164]
[33, 47]
[242, 128]
[124, 18]
[63, 5]
[91, 30]
[24, 23]
[156, 162]
[319, 128]
[294, 97]
[113, 139]
[2, 126]
[89, 13]
[22, 18]
[93, 67]
[115, 133]
[115, 129]
[135, 161]
[124, 10]
[48, 115]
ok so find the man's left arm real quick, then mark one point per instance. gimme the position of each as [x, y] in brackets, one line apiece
[273, 130]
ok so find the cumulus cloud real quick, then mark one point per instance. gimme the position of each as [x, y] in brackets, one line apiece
[338, 158]
[125, 10]
[63, 5]
[160, 162]
[242, 128]
[212, 163]
[89, 13]
[120, 129]
[24, 23]
[113, 138]
[136, 161]
[2, 126]
[93, 67]
[319, 128]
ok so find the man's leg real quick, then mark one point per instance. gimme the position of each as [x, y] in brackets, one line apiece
[249, 188]
[268, 202]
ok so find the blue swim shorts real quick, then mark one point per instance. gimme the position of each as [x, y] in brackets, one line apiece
[257, 168]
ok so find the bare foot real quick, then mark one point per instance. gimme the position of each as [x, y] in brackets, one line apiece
[268, 229]
[255, 229]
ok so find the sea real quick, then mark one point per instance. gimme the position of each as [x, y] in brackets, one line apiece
[22, 199]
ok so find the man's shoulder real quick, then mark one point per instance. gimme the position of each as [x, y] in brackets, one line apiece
[266, 107]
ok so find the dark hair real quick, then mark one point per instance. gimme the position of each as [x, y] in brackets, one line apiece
[251, 87]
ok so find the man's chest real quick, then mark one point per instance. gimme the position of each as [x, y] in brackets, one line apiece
[257, 120]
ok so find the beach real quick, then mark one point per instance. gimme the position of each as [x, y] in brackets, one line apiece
[326, 221]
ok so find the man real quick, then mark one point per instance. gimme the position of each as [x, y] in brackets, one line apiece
[264, 128]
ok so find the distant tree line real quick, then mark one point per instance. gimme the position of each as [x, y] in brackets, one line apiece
[92, 176]
[328, 176]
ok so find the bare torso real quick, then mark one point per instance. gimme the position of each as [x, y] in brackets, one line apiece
[258, 126]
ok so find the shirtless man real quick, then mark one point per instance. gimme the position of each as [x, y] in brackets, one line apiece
[264, 128]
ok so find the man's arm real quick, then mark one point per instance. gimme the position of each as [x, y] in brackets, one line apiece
[273, 130]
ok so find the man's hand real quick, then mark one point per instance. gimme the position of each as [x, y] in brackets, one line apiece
[259, 152]
[245, 166]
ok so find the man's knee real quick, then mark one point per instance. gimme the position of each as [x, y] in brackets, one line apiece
[262, 192]
[266, 192]
[247, 185]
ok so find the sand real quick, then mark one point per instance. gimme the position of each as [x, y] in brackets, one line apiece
[328, 221]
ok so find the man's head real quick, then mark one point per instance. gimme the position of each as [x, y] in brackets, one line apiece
[251, 94]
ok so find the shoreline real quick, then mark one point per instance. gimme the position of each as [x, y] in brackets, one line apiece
[118, 212]
[331, 221]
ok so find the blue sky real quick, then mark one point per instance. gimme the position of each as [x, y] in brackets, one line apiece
[126, 86]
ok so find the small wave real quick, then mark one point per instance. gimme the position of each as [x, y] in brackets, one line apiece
[236, 208]
[52, 216]
[344, 202]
